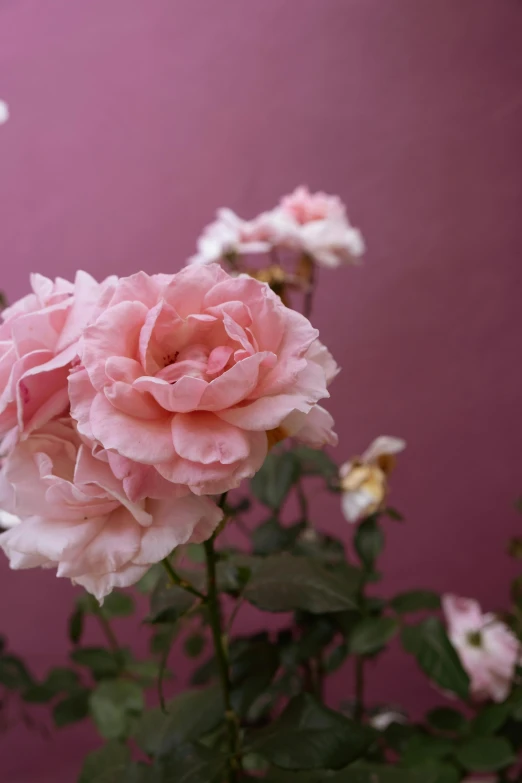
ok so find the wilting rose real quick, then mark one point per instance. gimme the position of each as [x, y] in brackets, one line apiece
[38, 342]
[75, 515]
[364, 480]
[488, 650]
[187, 374]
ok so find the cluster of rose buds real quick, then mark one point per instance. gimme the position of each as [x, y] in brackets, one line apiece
[127, 406]
[313, 225]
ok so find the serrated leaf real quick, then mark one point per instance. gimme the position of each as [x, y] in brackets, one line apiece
[271, 536]
[308, 735]
[193, 763]
[490, 718]
[415, 601]
[189, 716]
[425, 746]
[169, 602]
[285, 583]
[447, 720]
[252, 672]
[194, 645]
[485, 754]
[371, 634]
[369, 542]
[429, 643]
[72, 709]
[274, 480]
[106, 765]
[100, 661]
[113, 705]
[118, 604]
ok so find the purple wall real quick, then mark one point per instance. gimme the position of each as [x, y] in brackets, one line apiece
[132, 121]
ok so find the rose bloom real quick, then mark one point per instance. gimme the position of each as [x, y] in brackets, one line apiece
[38, 342]
[230, 236]
[75, 515]
[488, 650]
[321, 229]
[187, 374]
[364, 480]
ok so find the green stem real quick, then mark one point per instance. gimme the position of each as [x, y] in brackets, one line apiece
[359, 688]
[176, 579]
[105, 625]
[303, 501]
[309, 296]
[214, 612]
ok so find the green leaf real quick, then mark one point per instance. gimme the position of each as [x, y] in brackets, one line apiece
[169, 602]
[485, 754]
[196, 553]
[425, 746]
[147, 672]
[76, 625]
[14, 674]
[194, 645]
[118, 604]
[415, 601]
[189, 716]
[106, 765]
[315, 463]
[308, 735]
[429, 643]
[490, 718]
[148, 581]
[274, 481]
[193, 763]
[369, 542]
[271, 536]
[252, 672]
[100, 661]
[371, 634]
[436, 771]
[358, 773]
[73, 708]
[447, 720]
[284, 583]
[114, 705]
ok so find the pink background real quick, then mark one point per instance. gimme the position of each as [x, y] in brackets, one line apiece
[132, 120]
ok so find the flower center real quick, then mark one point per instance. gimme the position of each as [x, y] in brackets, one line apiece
[474, 638]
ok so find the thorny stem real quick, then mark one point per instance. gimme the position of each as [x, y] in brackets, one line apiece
[176, 579]
[221, 655]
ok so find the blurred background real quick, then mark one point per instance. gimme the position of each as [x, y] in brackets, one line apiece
[131, 121]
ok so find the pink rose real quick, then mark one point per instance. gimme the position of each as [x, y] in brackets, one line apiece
[187, 373]
[38, 342]
[488, 650]
[75, 515]
[230, 235]
[306, 207]
[321, 229]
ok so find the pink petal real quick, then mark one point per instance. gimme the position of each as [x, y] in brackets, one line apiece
[147, 441]
[203, 437]
[115, 333]
[182, 396]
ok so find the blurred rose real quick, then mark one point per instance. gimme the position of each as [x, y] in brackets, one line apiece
[364, 480]
[38, 342]
[310, 224]
[488, 650]
[229, 236]
[4, 112]
[188, 373]
[76, 516]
